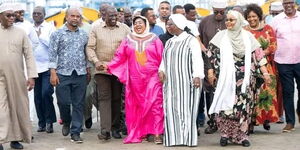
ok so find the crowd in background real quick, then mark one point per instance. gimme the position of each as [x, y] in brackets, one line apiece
[150, 75]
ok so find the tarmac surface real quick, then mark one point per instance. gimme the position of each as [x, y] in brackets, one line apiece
[273, 139]
[260, 140]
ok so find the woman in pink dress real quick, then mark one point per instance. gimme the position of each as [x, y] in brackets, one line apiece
[136, 64]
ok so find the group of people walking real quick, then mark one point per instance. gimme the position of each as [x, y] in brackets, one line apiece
[166, 67]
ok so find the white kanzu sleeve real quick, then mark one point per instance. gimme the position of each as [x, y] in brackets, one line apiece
[198, 66]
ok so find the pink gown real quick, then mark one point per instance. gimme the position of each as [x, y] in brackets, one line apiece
[136, 64]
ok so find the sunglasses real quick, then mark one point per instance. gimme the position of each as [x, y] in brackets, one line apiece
[20, 12]
[230, 20]
[10, 15]
[219, 12]
[36, 14]
[274, 14]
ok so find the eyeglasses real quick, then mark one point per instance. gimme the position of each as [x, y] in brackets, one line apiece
[288, 3]
[36, 14]
[230, 20]
[221, 12]
[10, 15]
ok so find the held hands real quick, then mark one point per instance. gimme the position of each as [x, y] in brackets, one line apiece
[196, 82]
[30, 84]
[162, 76]
[101, 67]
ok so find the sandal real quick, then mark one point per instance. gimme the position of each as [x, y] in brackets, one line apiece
[158, 139]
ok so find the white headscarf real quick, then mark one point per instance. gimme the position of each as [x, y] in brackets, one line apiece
[179, 20]
[241, 43]
[236, 36]
[146, 31]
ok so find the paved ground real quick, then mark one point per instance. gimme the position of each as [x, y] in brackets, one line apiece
[260, 140]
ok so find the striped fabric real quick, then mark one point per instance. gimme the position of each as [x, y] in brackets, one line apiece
[181, 99]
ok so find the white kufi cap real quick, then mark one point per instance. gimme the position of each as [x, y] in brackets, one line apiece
[6, 6]
[276, 6]
[219, 3]
[19, 6]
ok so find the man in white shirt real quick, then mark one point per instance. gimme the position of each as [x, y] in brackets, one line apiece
[43, 90]
[164, 11]
[34, 40]
[25, 25]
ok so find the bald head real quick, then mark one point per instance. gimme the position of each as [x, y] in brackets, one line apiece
[38, 15]
[102, 9]
[73, 17]
[111, 16]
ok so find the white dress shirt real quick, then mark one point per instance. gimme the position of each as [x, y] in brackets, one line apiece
[28, 28]
[41, 53]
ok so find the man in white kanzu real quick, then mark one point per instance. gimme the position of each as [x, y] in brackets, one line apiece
[15, 124]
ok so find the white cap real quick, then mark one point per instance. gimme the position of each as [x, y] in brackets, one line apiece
[6, 6]
[276, 6]
[219, 3]
[19, 6]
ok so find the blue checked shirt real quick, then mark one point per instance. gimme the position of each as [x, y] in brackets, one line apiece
[67, 51]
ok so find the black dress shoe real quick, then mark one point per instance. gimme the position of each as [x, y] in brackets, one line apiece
[104, 135]
[88, 123]
[49, 128]
[116, 134]
[41, 129]
[223, 141]
[266, 125]
[1, 147]
[246, 143]
[65, 130]
[16, 145]
[211, 129]
[124, 132]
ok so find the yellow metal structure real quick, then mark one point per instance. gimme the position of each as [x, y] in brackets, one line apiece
[265, 7]
[89, 15]
[203, 12]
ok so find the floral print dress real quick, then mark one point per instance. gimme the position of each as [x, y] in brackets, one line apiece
[267, 105]
[234, 125]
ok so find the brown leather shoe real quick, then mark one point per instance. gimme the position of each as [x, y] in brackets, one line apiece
[288, 128]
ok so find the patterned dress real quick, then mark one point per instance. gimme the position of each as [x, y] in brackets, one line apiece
[234, 126]
[267, 105]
